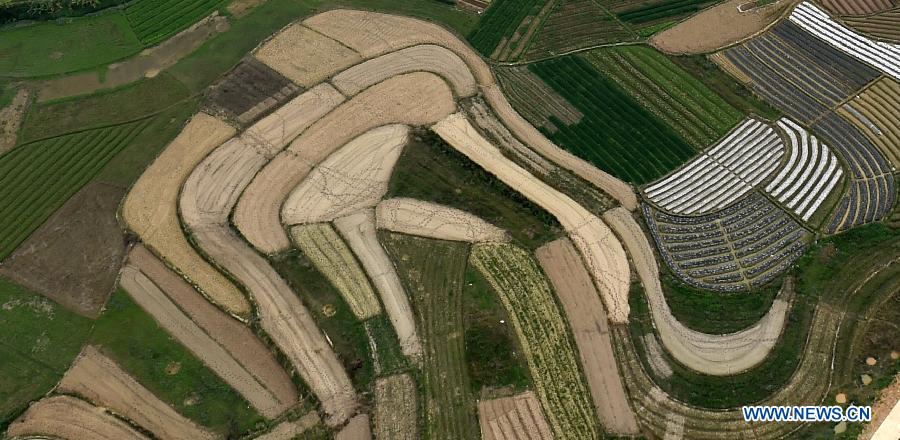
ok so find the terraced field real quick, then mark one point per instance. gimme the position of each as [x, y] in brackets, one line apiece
[857, 7]
[885, 25]
[874, 113]
[576, 24]
[155, 20]
[506, 27]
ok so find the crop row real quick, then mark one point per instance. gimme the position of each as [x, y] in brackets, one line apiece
[543, 333]
[535, 100]
[576, 24]
[616, 133]
[856, 7]
[500, 21]
[683, 102]
[885, 25]
[665, 9]
[37, 178]
[155, 20]
[875, 113]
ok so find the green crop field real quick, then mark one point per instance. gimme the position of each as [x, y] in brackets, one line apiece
[37, 178]
[616, 133]
[40, 340]
[661, 10]
[136, 342]
[577, 24]
[50, 48]
[500, 21]
[155, 20]
[683, 102]
[433, 273]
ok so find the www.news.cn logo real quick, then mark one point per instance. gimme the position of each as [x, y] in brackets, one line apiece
[812, 413]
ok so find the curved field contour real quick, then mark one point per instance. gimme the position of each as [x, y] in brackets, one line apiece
[70, 418]
[427, 219]
[305, 56]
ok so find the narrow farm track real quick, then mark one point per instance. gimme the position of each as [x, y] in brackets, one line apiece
[71, 418]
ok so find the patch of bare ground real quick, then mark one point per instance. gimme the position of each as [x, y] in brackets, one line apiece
[70, 418]
[396, 408]
[357, 429]
[511, 418]
[291, 429]
[11, 119]
[885, 414]
[74, 257]
[352, 178]
[359, 231]
[426, 219]
[413, 99]
[236, 338]
[240, 8]
[146, 64]
[305, 56]
[587, 318]
[99, 380]
[153, 300]
[601, 250]
[719, 26]
[706, 353]
[250, 89]
[151, 209]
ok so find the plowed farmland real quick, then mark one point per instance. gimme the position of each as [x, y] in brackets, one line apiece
[874, 112]
[885, 25]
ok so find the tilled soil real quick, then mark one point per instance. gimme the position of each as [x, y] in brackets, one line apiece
[251, 89]
[426, 219]
[70, 418]
[512, 418]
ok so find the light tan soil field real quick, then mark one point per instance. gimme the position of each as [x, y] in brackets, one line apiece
[587, 318]
[887, 405]
[271, 134]
[304, 56]
[236, 338]
[602, 252]
[70, 418]
[357, 429]
[705, 353]
[513, 418]
[354, 177]
[99, 380]
[425, 58]
[331, 256]
[880, 120]
[150, 209]
[396, 408]
[718, 27]
[11, 118]
[149, 296]
[359, 231]
[291, 429]
[413, 99]
[426, 219]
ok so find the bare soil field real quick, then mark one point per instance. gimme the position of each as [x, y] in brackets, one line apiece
[357, 429]
[425, 58]
[706, 353]
[74, 257]
[602, 252]
[352, 178]
[587, 318]
[396, 408]
[292, 429]
[718, 27]
[414, 99]
[513, 418]
[99, 380]
[150, 209]
[251, 89]
[359, 231]
[331, 256]
[857, 7]
[304, 56]
[886, 406]
[426, 219]
[235, 337]
[884, 26]
[70, 418]
[11, 118]
[152, 299]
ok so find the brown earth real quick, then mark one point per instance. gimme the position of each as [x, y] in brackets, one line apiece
[856, 7]
[99, 380]
[250, 89]
[74, 257]
[887, 406]
[395, 408]
[240, 8]
[426, 219]
[232, 335]
[884, 26]
[718, 27]
[11, 119]
[357, 429]
[292, 429]
[305, 56]
[587, 317]
[72, 419]
[513, 418]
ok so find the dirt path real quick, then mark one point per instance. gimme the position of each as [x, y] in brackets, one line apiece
[98, 379]
[70, 418]
[587, 318]
[426, 219]
[709, 354]
[513, 418]
[11, 118]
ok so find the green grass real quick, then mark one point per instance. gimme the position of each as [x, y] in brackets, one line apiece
[430, 170]
[136, 342]
[39, 340]
[156, 20]
[433, 273]
[684, 103]
[52, 48]
[37, 178]
[116, 106]
[500, 21]
[616, 133]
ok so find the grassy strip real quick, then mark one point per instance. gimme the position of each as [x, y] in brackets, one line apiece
[37, 178]
[40, 340]
[432, 272]
[499, 21]
[133, 339]
[155, 20]
[430, 170]
[616, 133]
